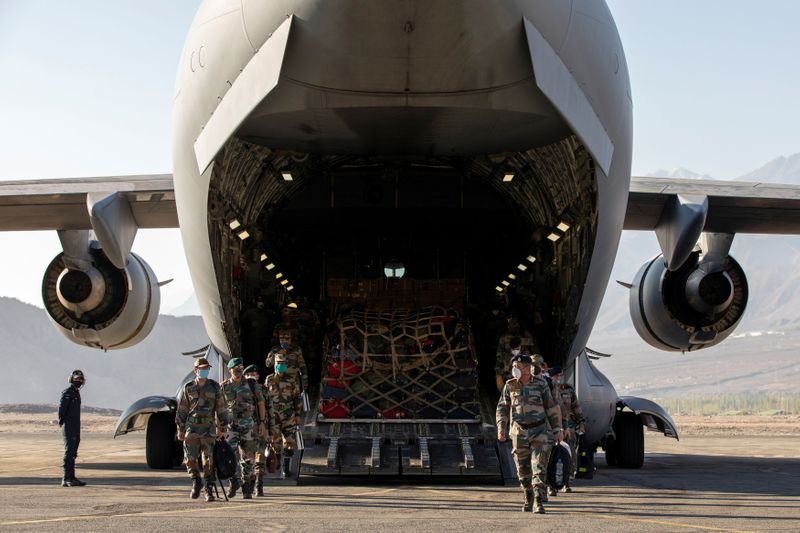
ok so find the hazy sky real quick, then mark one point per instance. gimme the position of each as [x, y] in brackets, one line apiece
[87, 87]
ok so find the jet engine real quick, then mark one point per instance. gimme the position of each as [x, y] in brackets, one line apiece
[99, 305]
[692, 307]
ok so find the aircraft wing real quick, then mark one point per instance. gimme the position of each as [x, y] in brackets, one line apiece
[733, 207]
[61, 204]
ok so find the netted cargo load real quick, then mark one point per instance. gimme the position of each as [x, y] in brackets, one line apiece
[400, 365]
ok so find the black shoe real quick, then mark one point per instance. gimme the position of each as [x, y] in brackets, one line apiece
[260, 485]
[210, 491]
[528, 506]
[287, 462]
[567, 488]
[247, 491]
[235, 485]
[551, 491]
[74, 482]
[538, 507]
[196, 486]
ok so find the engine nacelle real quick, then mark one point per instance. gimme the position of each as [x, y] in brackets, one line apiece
[694, 307]
[102, 306]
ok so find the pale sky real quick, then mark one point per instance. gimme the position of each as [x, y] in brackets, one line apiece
[87, 87]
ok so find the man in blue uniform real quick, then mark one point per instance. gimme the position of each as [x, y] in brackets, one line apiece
[69, 418]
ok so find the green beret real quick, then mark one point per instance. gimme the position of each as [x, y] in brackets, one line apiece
[236, 361]
[251, 368]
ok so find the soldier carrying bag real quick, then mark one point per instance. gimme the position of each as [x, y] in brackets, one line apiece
[558, 468]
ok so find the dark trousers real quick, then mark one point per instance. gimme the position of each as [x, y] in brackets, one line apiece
[72, 439]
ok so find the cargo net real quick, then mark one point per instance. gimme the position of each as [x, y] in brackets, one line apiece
[400, 365]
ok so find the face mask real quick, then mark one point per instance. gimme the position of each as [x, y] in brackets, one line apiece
[515, 351]
[516, 372]
[77, 384]
[202, 373]
[280, 368]
[285, 345]
[250, 376]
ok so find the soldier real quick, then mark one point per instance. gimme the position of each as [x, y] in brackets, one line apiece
[251, 373]
[288, 323]
[201, 400]
[287, 404]
[524, 343]
[293, 357]
[527, 406]
[248, 424]
[69, 418]
[574, 423]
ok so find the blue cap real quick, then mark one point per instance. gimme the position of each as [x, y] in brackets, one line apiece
[521, 358]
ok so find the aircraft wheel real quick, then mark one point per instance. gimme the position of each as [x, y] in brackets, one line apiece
[629, 444]
[160, 443]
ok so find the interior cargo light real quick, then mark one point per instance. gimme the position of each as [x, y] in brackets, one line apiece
[287, 176]
[522, 267]
[243, 234]
[394, 269]
[263, 257]
[505, 283]
[291, 304]
[508, 177]
[563, 227]
[285, 282]
[499, 288]
[291, 288]
[270, 266]
[278, 275]
[554, 237]
[531, 259]
[512, 276]
[234, 224]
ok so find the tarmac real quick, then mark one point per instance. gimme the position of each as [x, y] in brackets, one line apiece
[688, 486]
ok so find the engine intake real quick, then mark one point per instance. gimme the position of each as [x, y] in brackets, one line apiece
[102, 306]
[694, 307]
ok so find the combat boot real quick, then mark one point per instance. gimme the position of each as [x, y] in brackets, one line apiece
[210, 491]
[542, 493]
[551, 491]
[528, 506]
[260, 485]
[537, 504]
[247, 490]
[235, 485]
[196, 486]
[74, 482]
[567, 488]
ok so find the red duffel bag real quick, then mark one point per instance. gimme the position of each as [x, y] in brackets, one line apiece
[333, 409]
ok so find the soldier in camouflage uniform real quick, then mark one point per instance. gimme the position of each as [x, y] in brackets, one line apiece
[527, 406]
[293, 357]
[574, 422]
[288, 323]
[248, 424]
[200, 401]
[287, 405]
[251, 373]
[511, 343]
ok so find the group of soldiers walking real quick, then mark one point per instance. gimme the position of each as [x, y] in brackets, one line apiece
[257, 419]
[536, 411]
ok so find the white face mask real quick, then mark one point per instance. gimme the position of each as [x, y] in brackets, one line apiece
[515, 351]
[516, 372]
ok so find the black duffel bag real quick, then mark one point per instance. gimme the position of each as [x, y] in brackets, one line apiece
[558, 467]
[224, 460]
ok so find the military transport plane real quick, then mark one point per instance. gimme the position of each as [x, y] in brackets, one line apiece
[487, 143]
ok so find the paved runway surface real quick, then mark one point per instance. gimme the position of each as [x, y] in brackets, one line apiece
[683, 490]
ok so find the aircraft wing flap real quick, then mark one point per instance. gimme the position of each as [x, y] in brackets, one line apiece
[733, 207]
[61, 203]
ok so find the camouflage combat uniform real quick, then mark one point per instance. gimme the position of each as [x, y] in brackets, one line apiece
[243, 434]
[502, 364]
[263, 442]
[528, 409]
[287, 405]
[573, 417]
[195, 417]
[295, 363]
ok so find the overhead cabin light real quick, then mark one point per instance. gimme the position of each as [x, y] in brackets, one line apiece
[394, 269]
[234, 224]
[285, 282]
[292, 304]
[522, 267]
[243, 235]
[563, 227]
[508, 177]
[554, 237]
[287, 176]
[505, 283]
[278, 275]
[512, 276]
[531, 259]
[499, 288]
[291, 288]
[263, 257]
[270, 266]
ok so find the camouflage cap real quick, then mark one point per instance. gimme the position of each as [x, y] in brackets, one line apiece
[250, 368]
[201, 362]
[236, 361]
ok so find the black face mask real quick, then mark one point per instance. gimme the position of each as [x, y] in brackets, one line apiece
[77, 384]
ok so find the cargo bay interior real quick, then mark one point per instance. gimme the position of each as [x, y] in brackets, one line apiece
[511, 232]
